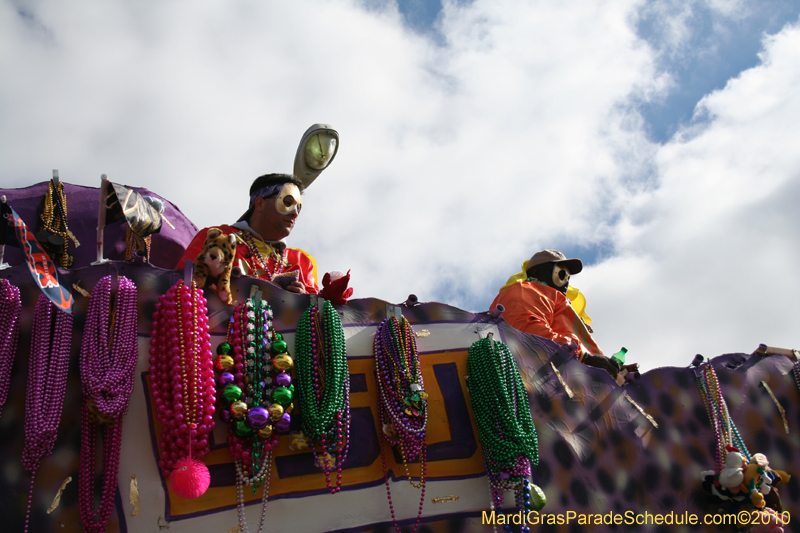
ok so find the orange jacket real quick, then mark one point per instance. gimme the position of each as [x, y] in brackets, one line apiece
[297, 259]
[541, 310]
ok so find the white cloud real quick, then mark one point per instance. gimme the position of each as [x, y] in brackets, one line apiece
[457, 162]
[706, 261]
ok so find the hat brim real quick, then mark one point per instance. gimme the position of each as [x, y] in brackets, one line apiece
[573, 265]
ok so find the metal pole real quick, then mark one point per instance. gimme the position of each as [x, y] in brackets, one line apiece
[3, 264]
[101, 220]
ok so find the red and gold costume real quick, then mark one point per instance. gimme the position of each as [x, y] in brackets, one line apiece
[249, 261]
[535, 308]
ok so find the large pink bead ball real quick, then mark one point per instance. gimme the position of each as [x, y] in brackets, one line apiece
[190, 478]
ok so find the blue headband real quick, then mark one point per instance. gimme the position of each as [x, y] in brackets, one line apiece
[269, 190]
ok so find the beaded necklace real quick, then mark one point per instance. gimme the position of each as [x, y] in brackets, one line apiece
[505, 427]
[256, 389]
[259, 260]
[323, 380]
[795, 372]
[109, 353]
[725, 432]
[51, 336]
[402, 401]
[54, 220]
[10, 309]
[182, 384]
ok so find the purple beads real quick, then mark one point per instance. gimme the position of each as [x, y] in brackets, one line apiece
[258, 417]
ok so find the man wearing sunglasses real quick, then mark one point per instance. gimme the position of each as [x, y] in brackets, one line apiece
[261, 251]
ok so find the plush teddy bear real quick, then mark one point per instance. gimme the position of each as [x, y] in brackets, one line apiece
[216, 260]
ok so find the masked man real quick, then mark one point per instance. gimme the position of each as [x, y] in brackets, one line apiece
[261, 251]
[538, 304]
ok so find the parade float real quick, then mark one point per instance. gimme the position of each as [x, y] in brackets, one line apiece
[134, 401]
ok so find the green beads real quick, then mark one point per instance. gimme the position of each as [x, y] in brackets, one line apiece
[278, 347]
[232, 393]
[224, 348]
[500, 404]
[241, 429]
[283, 396]
[320, 404]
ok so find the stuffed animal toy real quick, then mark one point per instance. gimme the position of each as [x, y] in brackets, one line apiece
[334, 287]
[733, 473]
[760, 480]
[216, 260]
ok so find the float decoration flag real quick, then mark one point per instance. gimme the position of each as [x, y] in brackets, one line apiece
[13, 231]
[142, 217]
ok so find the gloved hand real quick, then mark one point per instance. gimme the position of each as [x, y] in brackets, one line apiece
[601, 361]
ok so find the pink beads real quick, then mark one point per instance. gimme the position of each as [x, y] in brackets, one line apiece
[10, 308]
[51, 336]
[107, 378]
[183, 374]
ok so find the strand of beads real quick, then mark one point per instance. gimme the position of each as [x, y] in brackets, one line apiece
[255, 381]
[259, 260]
[10, 309]
[505, 427]
[182, 386]
[107, 364]
[51, 337]
[402, 401]
[725, 431]
[796, 373]
[323, 379]
[257, 398]
[53, 219]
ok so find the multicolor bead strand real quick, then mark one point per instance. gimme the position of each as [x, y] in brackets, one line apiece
[259, 260]
[505, 427]
[323, 379]
[725, 431]
[107, 364]
[402, 401]
[255, 383]
[10, 309]
[181, 374]
[256, 392]
[51, 336]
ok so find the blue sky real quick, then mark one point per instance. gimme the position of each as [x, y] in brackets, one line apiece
[655, 140]
[717, 49]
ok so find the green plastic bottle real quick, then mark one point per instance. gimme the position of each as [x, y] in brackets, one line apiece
[619, 357]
